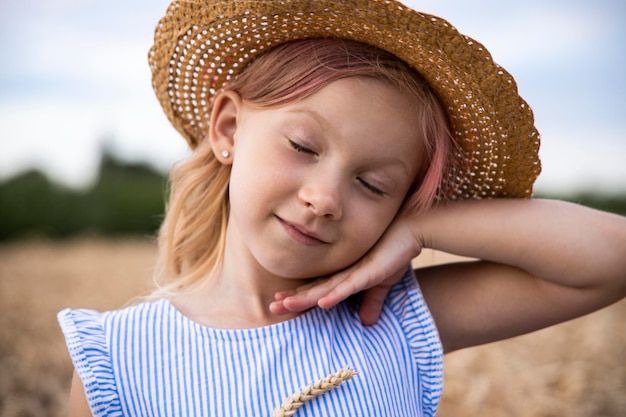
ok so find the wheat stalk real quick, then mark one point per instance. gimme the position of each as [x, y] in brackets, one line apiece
[297, 399]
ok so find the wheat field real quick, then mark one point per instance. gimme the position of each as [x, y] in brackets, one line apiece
[576, 369]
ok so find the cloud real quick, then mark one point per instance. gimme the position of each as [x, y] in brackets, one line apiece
[588, 159]
[75, 72]
[65, 137]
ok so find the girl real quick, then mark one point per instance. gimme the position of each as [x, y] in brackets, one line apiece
[333, 141]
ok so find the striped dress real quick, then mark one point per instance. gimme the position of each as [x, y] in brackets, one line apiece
[150, 360]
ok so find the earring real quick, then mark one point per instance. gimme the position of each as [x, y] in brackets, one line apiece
[225, 153]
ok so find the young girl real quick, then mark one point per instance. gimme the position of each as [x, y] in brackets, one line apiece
[332, 142]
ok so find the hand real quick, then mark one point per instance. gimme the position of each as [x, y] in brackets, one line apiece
[376, 273]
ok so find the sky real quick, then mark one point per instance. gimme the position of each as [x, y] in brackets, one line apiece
[74, 79]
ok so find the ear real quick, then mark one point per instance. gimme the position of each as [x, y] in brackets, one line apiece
[224, 117]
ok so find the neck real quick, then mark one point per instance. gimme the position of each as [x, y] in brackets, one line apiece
[237, 298]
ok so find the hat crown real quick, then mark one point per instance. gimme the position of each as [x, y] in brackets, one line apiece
[201, 45]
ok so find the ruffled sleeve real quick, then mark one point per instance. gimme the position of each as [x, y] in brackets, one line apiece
[408, 304]
[86, 341]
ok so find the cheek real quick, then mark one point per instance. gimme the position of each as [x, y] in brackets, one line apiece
[367, 227]
[257, 180]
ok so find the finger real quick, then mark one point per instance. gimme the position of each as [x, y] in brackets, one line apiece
[278, 308]
[356, 280]
[372, 304]
[281, 295]
[308, 297]
[301, 298]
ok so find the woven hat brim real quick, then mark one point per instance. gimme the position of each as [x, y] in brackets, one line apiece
[200, 45]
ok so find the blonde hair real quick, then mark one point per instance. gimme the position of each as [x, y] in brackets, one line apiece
[192, 236]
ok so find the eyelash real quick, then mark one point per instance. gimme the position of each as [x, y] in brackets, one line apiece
[300, 148]
[371, 188]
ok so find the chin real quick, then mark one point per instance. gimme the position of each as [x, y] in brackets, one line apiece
[300, 271]
[303, 268]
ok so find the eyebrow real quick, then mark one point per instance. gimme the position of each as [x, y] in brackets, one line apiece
[314, 115]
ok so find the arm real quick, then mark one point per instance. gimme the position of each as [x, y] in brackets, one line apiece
[543, 262]
[78, 406]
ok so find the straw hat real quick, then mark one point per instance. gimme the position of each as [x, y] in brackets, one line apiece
[201, 44]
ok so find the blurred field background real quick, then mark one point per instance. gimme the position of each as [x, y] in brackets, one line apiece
[94, 248]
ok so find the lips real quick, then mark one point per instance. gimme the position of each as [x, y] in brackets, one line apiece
[301, 234]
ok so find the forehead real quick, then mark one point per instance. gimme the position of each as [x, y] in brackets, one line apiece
[367, 107]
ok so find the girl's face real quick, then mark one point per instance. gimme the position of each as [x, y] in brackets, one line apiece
[315, 183]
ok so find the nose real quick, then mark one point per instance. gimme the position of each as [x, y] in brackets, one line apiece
[323, 197]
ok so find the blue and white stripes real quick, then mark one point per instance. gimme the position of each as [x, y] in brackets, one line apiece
[150, 360]
[84, 338]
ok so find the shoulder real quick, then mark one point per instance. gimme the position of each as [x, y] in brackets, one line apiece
[406, 301]
[92, 342]
[407, 304]
[402, 349]
[89, 332]
[90, 323]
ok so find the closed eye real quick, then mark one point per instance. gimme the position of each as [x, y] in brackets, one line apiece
[371, 188]
[301, 148]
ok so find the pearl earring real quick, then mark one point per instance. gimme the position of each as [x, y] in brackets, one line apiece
[225, 153]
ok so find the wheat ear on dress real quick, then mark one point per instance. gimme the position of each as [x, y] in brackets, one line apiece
[297, 399]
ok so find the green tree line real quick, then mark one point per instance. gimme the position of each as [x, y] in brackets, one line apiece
[126, 199]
